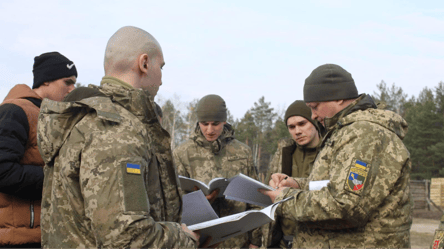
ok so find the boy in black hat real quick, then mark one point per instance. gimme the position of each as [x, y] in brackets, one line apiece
[21, 166]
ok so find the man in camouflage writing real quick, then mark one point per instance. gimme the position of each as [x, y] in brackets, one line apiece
[294, 157]
[109, 177]
[214, 152]
[367, 202]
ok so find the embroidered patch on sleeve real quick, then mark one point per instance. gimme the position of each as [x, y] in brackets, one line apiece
[438, 240]
[356, 177]
[133, 168]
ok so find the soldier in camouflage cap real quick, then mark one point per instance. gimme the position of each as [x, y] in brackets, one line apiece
[212, 152]
[367, 202]
[109, 177]
[294, 157]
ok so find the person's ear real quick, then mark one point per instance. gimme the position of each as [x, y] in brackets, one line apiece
[340, 102]
[143, 62]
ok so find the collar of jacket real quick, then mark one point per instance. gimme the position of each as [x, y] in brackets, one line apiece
[363, 102]
[115, 81]
[22, 91]
[217, 145]
[137, 101]
[289, 147]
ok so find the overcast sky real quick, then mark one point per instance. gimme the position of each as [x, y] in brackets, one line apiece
[240, 50]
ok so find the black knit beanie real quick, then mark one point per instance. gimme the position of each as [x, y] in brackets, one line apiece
[329, 82]
[299, 108]
[52, 66]
[211, 108]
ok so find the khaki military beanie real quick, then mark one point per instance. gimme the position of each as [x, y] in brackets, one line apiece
[329, 82]
[299, 108]
[211, 108]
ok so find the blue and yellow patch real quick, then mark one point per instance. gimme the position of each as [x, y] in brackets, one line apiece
[357, 175]
[133, 168]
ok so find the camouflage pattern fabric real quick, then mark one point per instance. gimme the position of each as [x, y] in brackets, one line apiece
[367, 202]
[109, 177]
[284, 157]
[438, 239]
[225, 157]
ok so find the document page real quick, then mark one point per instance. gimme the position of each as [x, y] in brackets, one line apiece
[245, 189]
[187, 184]
[196, 209]
[233, 225]
[317, 185]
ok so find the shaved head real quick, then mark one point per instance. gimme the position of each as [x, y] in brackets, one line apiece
[124, 48]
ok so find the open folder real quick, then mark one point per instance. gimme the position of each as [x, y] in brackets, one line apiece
[196, 209]
[239, 188]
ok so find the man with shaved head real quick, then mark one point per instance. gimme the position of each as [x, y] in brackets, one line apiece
[109, 176]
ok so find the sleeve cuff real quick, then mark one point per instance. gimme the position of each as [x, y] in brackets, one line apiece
[288, 192]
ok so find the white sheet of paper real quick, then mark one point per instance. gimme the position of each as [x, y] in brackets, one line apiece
[317, 185]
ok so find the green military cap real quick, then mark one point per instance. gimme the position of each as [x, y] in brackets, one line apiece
[211, 108]
[299, 108]
[329, 82]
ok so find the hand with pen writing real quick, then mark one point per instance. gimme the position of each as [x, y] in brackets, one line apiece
[280, 182]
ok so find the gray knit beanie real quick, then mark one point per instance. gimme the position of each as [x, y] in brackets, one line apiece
[211, 108]
[329, 82]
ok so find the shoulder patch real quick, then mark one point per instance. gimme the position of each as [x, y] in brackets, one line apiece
[132, 168]
[356, 176]
[438, 240]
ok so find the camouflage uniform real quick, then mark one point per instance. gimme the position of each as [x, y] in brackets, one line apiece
[367, 202]
[225, 157]
[438, 239]
[293, 160]
[109, 177]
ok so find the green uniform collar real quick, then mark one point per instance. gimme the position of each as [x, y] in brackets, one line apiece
[115, 81]
[363, 102]
[217, 145]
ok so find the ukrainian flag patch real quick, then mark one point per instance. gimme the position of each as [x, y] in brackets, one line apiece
[356, 176]
[361, 165]
[132, 168]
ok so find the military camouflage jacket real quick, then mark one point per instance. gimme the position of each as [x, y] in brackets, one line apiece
[282, 162]
[109, 177]
[367, 202]
[438, 239]
[226, 157]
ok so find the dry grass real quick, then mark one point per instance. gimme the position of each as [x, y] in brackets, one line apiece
[423, 228]
[421, 240]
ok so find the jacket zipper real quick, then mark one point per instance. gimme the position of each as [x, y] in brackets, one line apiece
[32, 215]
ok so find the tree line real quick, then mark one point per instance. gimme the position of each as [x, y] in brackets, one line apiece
[425, 116]
[262, 126]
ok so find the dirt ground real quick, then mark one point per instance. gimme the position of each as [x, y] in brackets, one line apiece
[423, 228]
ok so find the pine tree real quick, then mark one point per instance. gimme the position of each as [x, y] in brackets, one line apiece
[425, 136]
[394, 97]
